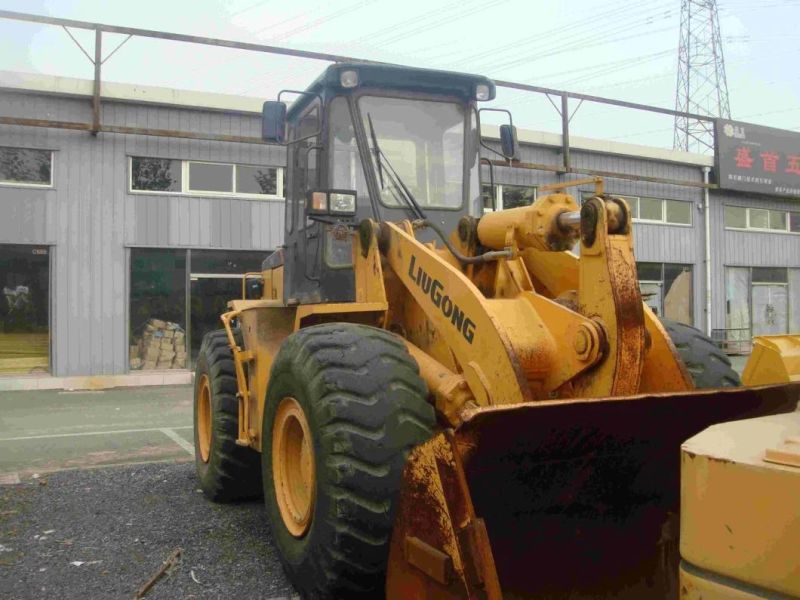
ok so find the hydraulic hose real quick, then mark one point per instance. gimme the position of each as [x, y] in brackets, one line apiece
[466, 260]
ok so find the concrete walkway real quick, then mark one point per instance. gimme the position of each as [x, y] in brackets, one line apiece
[46, 431]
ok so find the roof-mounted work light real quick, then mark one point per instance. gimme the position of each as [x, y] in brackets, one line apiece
[348, 79]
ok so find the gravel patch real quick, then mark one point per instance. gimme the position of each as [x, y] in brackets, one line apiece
[103, 533]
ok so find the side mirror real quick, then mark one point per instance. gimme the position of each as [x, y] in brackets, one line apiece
[508, 141]
[508, 135]
[273, 122]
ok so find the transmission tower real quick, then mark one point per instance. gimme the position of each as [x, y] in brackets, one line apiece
[702, 87]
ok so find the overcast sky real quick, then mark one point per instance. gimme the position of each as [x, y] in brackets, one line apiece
[615, 48]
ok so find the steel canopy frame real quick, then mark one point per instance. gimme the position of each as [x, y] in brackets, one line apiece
[96, 126]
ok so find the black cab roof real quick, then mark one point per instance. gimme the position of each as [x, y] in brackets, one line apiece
[396, 77]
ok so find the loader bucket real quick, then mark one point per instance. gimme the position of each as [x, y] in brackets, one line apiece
[557, 499]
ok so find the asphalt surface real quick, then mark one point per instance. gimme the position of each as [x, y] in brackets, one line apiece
[103, 532]
[46, 431]
[97, 489]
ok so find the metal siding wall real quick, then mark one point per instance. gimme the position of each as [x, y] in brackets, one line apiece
[744, 248]
[176, 220]
[652, 243]
[90, 217]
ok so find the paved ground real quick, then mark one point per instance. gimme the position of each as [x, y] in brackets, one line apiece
[52, 430]
[70, 529]
[42, 432]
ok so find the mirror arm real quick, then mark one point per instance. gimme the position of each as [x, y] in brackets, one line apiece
[480, 134]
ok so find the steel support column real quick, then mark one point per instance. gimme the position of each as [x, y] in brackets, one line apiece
[98, 63]
[565, 132]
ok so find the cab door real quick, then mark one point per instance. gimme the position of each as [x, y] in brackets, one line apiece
[319, 265]
[300, 280]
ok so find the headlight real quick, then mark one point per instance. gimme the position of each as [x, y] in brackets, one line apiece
[342, 203]
[348, 79]
[481, 91]
[319, 202]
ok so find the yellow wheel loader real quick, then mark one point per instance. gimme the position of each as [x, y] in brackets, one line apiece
[440, 403]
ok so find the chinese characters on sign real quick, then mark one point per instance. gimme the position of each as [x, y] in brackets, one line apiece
[753, 158]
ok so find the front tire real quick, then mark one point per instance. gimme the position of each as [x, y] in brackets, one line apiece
[225, 470]
[345, 405]
[708, 365]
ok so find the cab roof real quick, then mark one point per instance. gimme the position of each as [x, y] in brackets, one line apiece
[395, 77]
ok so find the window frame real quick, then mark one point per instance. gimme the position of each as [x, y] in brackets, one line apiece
[187, 191]
[186, 167]
[662, 284]
[424, 97]
[663, 201]
[786, 212]
[23, 184]
[662, 205]
[498, 194]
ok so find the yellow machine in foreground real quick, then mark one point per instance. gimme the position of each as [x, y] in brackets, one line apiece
[443, 406]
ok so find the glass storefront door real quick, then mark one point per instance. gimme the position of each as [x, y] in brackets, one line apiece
[209, 299]
[24, 309]
[770, 309]
[177, 296]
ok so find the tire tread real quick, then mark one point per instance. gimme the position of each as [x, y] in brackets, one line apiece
[371, 408]
[232, 472]
[708, 365]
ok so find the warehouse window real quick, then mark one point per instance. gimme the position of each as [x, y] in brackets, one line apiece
[651, 209]
[508, 196]
[761, 219]
[155, 174]
[160, 175]
[26, 167]
[678, 212]
[655, 210]
[210, 177]
[667, 289]
[24, 309]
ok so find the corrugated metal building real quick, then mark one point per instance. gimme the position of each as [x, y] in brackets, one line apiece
[121, 228]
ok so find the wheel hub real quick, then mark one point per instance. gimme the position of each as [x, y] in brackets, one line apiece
[204, 418]
[293, 469]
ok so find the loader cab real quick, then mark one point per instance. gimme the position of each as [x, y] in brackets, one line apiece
[361, 141]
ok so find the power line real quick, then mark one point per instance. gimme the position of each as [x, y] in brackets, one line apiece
[545, 41]
[444, 19]
[594, 45]
[426, 26]
[593, 67]
[286, 34]
[613, 38]
[541, 38]
[402, 25]
[249, 8]
[750, 116]
[622, 65]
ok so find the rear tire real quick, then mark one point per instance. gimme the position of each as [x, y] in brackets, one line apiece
[364, 407]
[226, 471]
[708, 365]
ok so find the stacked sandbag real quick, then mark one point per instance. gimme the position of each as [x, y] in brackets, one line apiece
[162, 345]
